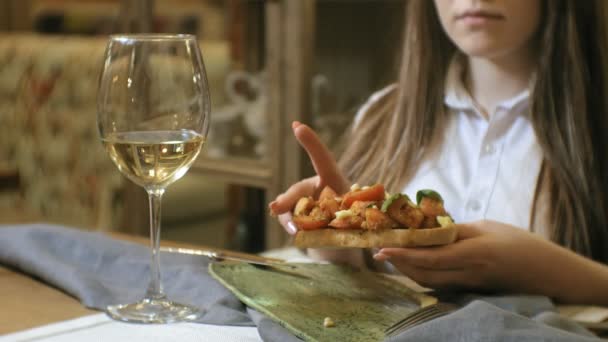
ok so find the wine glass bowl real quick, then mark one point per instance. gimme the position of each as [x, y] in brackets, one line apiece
[154, 159]
[153, 117]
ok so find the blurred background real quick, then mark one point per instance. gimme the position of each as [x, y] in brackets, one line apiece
[268, 63]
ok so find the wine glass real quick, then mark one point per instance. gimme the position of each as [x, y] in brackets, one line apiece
[153, 116]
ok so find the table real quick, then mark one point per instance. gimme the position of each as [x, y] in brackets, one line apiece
[28, 303]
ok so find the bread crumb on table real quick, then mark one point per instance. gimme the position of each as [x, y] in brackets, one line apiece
[328, 322]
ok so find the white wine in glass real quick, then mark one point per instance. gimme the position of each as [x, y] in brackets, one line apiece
[154, 159]
[153, 117]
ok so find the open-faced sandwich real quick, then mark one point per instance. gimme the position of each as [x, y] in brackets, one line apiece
[367, 217]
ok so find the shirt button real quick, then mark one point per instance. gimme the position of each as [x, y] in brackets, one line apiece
[474, 205]
[489, 149]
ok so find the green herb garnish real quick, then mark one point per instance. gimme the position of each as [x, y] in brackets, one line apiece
[428, 193]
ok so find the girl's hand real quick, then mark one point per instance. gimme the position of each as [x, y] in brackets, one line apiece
[327, 171]
[494, 256]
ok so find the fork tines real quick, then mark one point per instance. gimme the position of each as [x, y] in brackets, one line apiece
[422, 315]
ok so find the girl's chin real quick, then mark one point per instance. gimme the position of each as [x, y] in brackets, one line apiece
[478, 50]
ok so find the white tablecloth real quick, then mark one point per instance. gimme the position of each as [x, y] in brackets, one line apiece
[99, 327]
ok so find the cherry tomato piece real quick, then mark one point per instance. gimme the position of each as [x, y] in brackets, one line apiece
[373, 193]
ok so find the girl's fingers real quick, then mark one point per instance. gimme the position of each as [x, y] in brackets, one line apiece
[327, 174]
[322, 159]
[437, 258]
[467, 252]
[468, 230]
[437, 278]
[286, 201]
[288, 225]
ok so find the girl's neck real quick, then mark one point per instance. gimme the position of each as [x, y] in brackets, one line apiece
[493, 80]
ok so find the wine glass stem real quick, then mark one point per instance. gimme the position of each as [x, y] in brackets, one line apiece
[155, 289]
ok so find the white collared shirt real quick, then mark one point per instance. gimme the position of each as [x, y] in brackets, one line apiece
[485, 168]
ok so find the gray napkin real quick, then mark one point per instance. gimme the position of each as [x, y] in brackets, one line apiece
[100, 271]
[480, 320]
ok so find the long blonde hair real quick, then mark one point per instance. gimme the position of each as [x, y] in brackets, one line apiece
[569, 112]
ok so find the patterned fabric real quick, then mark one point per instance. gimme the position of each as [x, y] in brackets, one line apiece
[48, 130]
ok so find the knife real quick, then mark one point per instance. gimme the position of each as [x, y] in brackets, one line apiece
[219, 256]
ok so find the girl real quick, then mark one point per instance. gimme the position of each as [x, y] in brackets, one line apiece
[501, 107]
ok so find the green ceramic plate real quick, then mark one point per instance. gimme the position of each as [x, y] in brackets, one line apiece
[361, 303]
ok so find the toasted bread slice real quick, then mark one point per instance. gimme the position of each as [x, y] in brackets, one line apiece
[361, 238]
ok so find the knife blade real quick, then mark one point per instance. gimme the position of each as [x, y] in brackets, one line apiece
[218, 256]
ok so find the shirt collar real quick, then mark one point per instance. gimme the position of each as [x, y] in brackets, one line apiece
[456, 96]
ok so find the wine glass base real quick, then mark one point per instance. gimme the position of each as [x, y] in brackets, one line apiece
[153, 311]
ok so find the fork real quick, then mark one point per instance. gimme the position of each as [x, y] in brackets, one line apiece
[420, 316]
